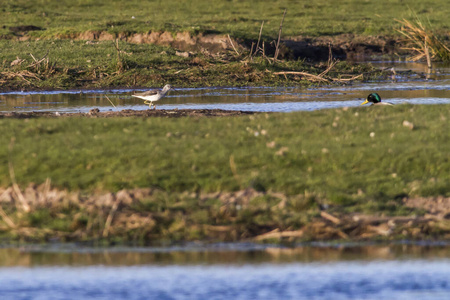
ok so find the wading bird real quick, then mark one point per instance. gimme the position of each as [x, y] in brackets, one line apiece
[153, 95]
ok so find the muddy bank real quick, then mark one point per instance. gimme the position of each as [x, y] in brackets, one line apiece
[343, 46]
[96, 113]
[150, 215]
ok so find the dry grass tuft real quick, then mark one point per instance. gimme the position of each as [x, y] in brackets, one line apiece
[423, 41]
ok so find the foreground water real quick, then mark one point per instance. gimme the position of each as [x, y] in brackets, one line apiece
[239, 272]
[425, 88]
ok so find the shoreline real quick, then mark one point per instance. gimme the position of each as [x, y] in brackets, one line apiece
[164, 113]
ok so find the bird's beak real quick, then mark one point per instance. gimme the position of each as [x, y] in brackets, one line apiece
[367, 101]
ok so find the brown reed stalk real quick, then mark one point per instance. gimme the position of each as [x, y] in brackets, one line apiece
[110, 101]
[110, 218]
[6, 218]
[37, 62]
[259, 37]
[423, 41]
[277, 49]
[231, 42]
[120, 64]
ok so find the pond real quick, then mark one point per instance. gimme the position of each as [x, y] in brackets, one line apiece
[419, 88]
[233, 271]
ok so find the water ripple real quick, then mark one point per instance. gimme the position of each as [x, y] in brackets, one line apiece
[421, 279]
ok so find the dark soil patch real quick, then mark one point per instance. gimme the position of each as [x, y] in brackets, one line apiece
[96, 113]
[24, 28]
[344, 46]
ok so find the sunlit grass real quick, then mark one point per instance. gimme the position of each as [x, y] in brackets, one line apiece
[237, 18]
[357, 160]
[331, 153]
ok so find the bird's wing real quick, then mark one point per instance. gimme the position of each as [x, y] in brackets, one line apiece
[147, 93]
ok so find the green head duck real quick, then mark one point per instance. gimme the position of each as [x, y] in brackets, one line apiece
[374, 98]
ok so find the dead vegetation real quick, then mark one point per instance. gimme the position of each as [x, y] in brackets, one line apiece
[423, 42]
[24, 75]
[150, 215]
[295, 75]
[37, 70]
[322, 77]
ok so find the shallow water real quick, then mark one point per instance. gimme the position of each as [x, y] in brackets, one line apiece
[426, 88]
[234, 271]
[356, 280]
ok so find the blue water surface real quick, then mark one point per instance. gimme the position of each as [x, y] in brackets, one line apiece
[397, 279]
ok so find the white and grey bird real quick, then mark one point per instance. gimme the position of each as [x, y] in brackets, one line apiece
[153, 95]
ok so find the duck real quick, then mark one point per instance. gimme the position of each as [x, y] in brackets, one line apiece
[375, 99]
[151, 96]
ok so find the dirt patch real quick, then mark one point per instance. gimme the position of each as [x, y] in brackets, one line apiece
[344, 46]
[213, 43]
[438, 206]
[96, 113]
[24, 28]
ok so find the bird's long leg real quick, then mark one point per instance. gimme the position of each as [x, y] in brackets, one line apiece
[149, 103]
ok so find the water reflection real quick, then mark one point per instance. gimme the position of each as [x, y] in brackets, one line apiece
[342, 280]
[33, 256]
[227, 271]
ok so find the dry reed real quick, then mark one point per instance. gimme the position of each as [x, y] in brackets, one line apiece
[423, 41]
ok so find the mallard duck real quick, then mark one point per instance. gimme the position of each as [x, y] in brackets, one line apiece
[375, 99]
[153, 95]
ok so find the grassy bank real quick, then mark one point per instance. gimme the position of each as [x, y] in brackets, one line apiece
[77, 64]
[184, 178]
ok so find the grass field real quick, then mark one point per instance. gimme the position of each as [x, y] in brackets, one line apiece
[356, 154]
[359, 160]
[237, 18]
[70, 63]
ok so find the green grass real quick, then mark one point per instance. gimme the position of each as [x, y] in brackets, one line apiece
[237, 18]
[293, 153]
[76, 64]
[357, 160]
